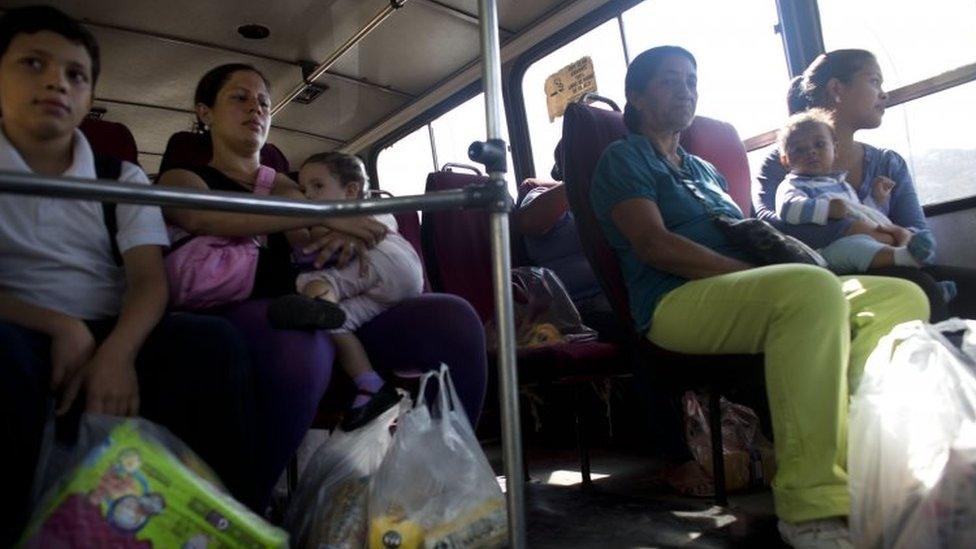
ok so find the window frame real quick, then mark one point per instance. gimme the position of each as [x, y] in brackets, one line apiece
[802, 38]
[801, 19]
[423, 119]
[518, 121]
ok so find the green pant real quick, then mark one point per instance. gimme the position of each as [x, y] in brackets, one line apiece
[816, 331]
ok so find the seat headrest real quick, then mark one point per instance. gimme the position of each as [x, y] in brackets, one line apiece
[719, 143]
[189, 149]
[110, 139]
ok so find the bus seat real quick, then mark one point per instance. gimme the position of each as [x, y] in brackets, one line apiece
[111, 139]
[719, 143]
[408, 225]
[458, 252]
[587, 131]
[188, 149]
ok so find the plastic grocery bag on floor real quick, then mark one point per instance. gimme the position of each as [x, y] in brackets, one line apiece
[130, 483]
[435, 489]
[329, 508]
[544, 312]
[749, 457]
[912, 449]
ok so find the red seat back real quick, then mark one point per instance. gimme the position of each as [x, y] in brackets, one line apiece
[110, 139]
[719, 143]
[587, 131]
[408, 225]
[457, 248]
[189, 149]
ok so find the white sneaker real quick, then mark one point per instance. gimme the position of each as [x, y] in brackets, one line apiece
[829, 533]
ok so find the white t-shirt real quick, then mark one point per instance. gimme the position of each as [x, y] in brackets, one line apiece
[56, 253]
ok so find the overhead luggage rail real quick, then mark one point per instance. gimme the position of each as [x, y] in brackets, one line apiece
[325, 65]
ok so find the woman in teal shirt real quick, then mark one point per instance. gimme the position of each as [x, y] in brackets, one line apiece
[693, 291]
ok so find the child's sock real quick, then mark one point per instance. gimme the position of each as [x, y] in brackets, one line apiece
[949, 290]
[904, 258]
[368, 382]
[922, 247]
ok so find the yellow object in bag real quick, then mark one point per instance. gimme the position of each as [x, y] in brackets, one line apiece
[387, 532]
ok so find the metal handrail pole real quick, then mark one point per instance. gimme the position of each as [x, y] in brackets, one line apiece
[501, 269]
[326, 64]
[114, 191]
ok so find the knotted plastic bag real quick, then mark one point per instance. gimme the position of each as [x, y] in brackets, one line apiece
[749, 457]
[329, 509]
[544, 312]
[912, 445]
[435, 488]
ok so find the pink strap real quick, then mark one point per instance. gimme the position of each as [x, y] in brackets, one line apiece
[265, 181]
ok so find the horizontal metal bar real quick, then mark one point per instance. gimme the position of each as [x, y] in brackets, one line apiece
[114, 191]
[760, 141]
[935, 84]
[327, 63]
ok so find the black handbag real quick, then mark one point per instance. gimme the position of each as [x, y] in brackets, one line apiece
[763, 242]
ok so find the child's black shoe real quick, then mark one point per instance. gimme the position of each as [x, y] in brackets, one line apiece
[297, 312]
[384, 399]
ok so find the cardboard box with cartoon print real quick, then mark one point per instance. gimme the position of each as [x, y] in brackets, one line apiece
[132, 491]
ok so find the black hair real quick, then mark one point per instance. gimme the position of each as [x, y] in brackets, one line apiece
[347, 168]
[34, 19]
[641, 71]
[810, 89]
[209, 86]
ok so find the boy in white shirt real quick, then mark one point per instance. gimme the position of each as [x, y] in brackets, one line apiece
[77, 321]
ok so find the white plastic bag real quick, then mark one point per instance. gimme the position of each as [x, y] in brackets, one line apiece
[912, 444]
[435, 488]
[329, 508]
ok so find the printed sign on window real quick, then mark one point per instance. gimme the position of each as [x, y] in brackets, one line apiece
[568, 85]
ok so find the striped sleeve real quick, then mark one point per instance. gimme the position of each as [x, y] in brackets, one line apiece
[795, 207]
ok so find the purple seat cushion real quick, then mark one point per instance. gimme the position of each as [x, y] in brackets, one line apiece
[569, 361]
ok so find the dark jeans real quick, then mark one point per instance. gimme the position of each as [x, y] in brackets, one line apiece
[963, 306]
[194, 379]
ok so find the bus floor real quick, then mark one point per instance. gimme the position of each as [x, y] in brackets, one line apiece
[626, 509]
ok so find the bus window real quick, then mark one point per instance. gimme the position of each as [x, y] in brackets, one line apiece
[912, 40]
[604, 46]
[402, 168]
[742, 73]
[934, 134]
[456, 129]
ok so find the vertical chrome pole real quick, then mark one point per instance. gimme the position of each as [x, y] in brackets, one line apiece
[501, 269]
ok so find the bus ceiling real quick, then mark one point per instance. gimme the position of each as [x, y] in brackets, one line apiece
[373, 62]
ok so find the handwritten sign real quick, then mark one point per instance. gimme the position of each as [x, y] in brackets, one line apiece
[568, 85]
